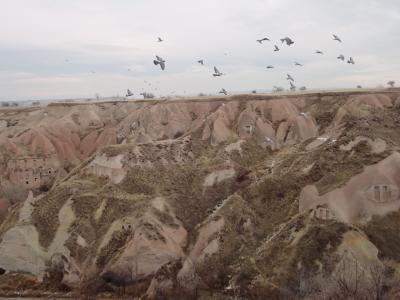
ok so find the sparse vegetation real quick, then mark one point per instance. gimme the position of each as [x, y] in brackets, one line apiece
[382, 231]
[264, 248]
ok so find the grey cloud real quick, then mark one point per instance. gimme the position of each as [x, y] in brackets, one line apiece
[110, 37]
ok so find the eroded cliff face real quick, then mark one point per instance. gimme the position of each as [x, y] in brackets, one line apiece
[245, 195]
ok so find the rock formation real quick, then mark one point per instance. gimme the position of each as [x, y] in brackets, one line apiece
[252, 196]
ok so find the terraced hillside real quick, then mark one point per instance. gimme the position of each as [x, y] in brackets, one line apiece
[251, 196]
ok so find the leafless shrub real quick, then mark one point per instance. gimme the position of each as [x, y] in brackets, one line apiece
[147, 95]
[391, 83]
[278, 89]
[351, 280]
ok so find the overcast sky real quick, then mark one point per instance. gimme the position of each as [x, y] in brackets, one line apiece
[75, 48]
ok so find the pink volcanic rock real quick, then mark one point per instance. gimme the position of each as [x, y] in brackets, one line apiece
[11, 147]
[376, 191]
[220, 131]
[206, 135]
[223, 118]
[150, 248]
[88, 143]
[296, 129]
[36, 142]
[356, 104]
[276, 110]
[246, 123]
[263, 130]
[66, 151]
[94, 140]
[106, 137]
[169, 120]
[4, 205]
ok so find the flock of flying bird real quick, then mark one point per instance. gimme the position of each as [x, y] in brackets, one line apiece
[159, 61]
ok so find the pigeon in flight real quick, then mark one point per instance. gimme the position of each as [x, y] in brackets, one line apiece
[159, 40]
[289, 77]
[298, 64]
[268, 140]
[341, 57]
[336, 38]
[292, 86]
[129, 93]
[303, 88]
[303, 114]
[351, 61]
[223, 91]
[217, 73]
[263, 40]
[201, 62]
[276, 48]
[270, 67]
[159, 61]
[287, 40]
[319, 52]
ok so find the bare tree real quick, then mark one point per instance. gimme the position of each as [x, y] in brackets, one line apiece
[391, 83]
[354, 280]
[348, 279]
[147, 95]
[376, 280]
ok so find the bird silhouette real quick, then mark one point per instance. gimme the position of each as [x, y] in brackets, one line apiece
[217, 73]
[298, 64]
[303, 114]
[263, 40]
[201, 62]
[289, 77]
[292, 86]
[276, 48]
[319, 52]
[336, 38]
[270, 67]
[341, 57]
[287, 40]
[351, 61]
[268, 140]
[159, 61]
[159, 40]
[223, 91]
[129, 93]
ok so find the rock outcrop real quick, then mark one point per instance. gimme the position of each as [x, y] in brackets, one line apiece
[251, 196]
